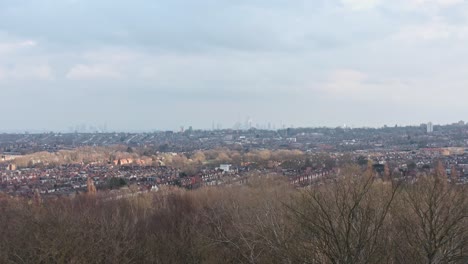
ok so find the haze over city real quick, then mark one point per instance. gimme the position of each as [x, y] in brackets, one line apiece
[144, 65]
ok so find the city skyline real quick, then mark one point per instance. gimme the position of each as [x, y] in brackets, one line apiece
[216, 126]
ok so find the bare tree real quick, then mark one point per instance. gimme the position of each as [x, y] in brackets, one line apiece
[432, 222]
[345, 221]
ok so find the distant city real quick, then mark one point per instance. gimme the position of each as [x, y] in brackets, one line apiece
[56, 161]
[247, 135]
[247, 124]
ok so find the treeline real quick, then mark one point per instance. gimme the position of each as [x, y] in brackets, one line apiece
[85, 155]
[189, 162]
[353, 219]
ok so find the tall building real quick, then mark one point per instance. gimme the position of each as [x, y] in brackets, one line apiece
[430, 127]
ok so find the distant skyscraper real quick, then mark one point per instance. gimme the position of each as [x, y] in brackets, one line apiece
[430, 127]
[249, 123]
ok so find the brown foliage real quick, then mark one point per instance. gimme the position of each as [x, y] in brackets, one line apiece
[345, 221]
[431, 224]
[353, 219]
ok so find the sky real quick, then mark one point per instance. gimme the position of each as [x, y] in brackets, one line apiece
[145, 65]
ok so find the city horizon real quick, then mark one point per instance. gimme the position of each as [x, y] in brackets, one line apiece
[85, 128]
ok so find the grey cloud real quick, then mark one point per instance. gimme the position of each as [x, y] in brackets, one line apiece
[184, 26]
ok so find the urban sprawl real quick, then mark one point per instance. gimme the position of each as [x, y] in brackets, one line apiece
[52, 165]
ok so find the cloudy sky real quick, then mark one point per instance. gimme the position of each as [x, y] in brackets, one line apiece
[150, 64]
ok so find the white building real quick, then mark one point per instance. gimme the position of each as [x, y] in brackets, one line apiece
[430, 127]
[225, 167]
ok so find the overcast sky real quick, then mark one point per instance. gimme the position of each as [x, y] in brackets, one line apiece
[150, 64]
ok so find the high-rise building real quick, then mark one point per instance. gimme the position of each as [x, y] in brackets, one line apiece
[430, 127]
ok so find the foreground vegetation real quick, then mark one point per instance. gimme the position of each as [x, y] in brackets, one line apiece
[354, 219]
